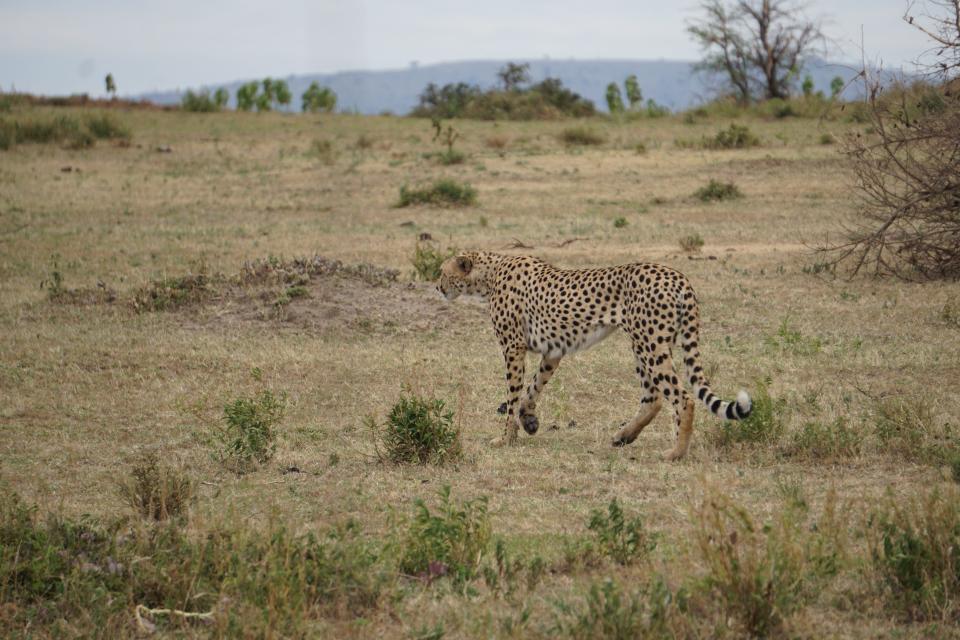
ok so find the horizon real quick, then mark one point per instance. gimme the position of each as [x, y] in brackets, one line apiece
[54, 47]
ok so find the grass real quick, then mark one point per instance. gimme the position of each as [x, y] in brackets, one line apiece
[308, 543]
[157, 491]
[441, 193]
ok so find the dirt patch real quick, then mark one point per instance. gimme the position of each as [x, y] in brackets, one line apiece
[314, 294]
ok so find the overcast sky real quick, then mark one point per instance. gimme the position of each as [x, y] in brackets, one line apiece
[68, 46]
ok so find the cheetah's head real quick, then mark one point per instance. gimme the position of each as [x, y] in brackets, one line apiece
[463, 274]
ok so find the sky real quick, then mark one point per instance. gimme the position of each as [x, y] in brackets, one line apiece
[68, 46]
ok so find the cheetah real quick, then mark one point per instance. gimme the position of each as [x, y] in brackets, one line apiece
[555, 312]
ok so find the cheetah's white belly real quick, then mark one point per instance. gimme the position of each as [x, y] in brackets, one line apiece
[583, 341]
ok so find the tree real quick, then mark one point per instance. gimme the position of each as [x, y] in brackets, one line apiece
[759, 46]
[221, 97]
[614, 99]
[317, 98]
[836, 86]
[111, 85]
[281, 92]
[513, 75]
[907, 171]
[247, 96]
[807, 85]
[634, 95]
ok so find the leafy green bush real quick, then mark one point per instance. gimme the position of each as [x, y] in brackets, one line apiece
[620, 222]
[418, 430]
[763, 426]
[622, 540]
[442, 193]
[156, 491]
[248, 437]
[735, 137]
[716, 190]
[203, 102]
[450, 542]
[427, 261]
[581, 136]
[915, 551]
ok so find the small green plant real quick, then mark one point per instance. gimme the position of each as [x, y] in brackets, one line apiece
[621, 539]
[447, 137]
[581, 136]
[764, 425]
[442, 193]
[609, 614]
[419, 431]
[427, 261]
[169, 294]
[53, 283]
[791, 340]
[619, 222]
[692, 243]
[297, 291]
[823, 441]
[249, 436]
[505, 575]
[718, 191]
[827, 138]
[156, 491]
[735, 137]
[449, 542]
[915, 550]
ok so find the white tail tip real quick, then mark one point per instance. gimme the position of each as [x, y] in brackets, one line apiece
[743, 401]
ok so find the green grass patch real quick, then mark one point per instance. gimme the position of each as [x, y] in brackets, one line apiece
[442, 193]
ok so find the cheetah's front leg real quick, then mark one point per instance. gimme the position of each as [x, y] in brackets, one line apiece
[514, 358]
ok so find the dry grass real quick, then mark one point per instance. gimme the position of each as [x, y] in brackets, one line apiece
[86, 386]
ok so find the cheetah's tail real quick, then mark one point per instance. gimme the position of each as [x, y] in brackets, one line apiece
[730, 410]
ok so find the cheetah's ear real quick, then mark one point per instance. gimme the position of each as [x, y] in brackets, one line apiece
[464, 264]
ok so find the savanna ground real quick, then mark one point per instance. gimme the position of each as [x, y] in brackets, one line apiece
[861, 373]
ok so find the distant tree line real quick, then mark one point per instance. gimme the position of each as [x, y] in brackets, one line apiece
[634, 104]
[262, 96]
[516, 98]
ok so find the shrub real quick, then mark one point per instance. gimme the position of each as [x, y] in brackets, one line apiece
[106, 127]
[442, 193]
[156, 491]
[427, 261]
[418, 430]
[619, 223]
[903, 426]
[581, 136]
[736, 137]
[822, 441]
[248, 438]
[763, 425]
[715, 190]
[692, 243]
[827, 138]
[504, 575]
[622, 540]
[450, 542]
[915, 551]
[755, 572]
[607, 613]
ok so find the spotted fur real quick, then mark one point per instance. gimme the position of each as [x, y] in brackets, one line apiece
[557, 312]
